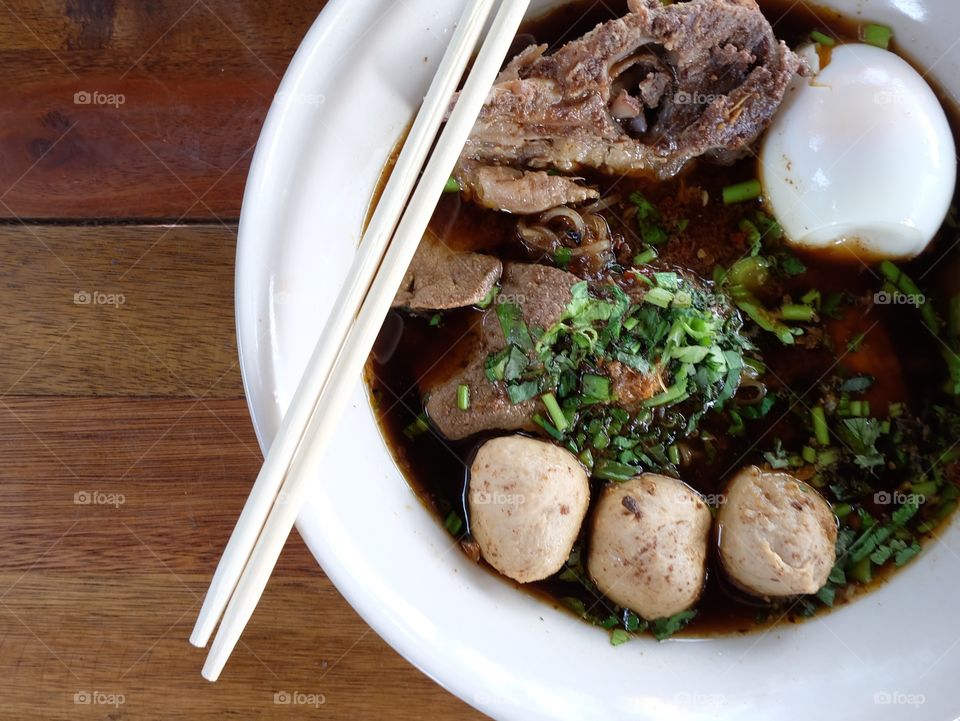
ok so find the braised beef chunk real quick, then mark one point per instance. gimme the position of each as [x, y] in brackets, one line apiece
[542, 293]
[524, 191]
[440, 278]
[639, 95]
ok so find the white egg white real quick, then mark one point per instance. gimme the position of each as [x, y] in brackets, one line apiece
[861, 156]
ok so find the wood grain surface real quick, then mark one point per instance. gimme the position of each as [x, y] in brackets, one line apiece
[126, 449]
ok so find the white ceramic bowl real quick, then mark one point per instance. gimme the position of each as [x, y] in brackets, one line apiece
[352, 87]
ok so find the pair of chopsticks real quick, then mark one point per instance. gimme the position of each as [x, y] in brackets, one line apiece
[402, 214]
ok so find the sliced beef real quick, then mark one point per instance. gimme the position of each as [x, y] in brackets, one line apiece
[542, 293]
[440, 278]
[639, 95]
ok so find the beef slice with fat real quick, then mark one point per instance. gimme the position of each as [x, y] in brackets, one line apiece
[440, 278]
[542, 293]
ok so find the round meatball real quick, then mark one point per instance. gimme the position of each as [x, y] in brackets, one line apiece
[527, 502]
[648, 547]
[777, 535]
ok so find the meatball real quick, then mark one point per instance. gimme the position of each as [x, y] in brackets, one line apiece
[648, 548]
[527, 502]
[777, 535]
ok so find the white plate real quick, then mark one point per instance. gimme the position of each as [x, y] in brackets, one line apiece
[352, 87]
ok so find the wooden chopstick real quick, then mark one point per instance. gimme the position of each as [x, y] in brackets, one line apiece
[368, 258]
[328, 405]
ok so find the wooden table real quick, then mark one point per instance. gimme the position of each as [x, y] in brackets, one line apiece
[126, 130]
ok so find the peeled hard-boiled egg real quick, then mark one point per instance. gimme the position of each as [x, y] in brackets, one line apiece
[861, 156]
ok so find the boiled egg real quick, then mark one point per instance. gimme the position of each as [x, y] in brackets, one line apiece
[860, 157]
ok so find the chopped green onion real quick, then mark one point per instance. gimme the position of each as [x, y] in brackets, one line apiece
[753, 235]
[435, 320]
[746, 302]
[741, 192]
[823, 39]
[673, 394]
[842, 510]
[811, 297]
[798, 312]
[453, 523]
[682, 299]
[862, 570]
[548, 427]
[645, 257]
[452, 186]
[586, 458]
[659, 297]
[905, 284]
[669, 280]
[556, 413]
[772, 230]
[929, 488]
[673, 452]
[828, 457]
[562, 257]
[595, 388]
[418, 427]
[463, 397]
[859, 409]
[809, 454]
[613, 471]
[488, 299]
[752, 273]
[736, 424]
[600, 440]
[821, 430]
[879, 35]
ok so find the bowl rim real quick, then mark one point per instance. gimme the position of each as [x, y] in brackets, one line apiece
[446, 665]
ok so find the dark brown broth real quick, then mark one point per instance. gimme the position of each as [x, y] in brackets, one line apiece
[896, 349]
